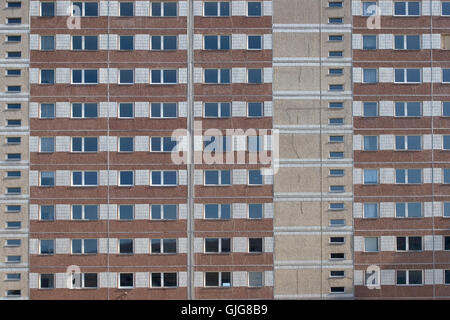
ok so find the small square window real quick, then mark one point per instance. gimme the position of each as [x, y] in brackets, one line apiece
[254, 9]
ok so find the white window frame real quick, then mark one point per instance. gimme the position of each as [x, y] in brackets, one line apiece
[118, 144]
[127, 287]
[405, 42]
[83, 43]
[119, 78]
[405, 108]
[219, 285]
[219, 110]
[406, 10]
[161, 144]
[83, 77]
[219, 178]
[83, 172]
[407, 244]
[162, 246]
[407, 211]
[162, 178]
[82, 145]
[218, 9]
[406, 143]
[83, 9]
[219, 211]
[218, 39]
[248, 178]
[83, 212]
[378, 244]
[119, 182]
[406, 177]
[83, 110]
[261, 39]
[218, 142]
[405, 76]
[163, 285]
[161, 108]
[162, 42]
[82, 246]
[407, 279]
[162, 77]
[220, 249]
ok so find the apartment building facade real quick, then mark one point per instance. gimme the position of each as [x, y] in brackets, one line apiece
[141, 132]
[14, 154]
[401, 175]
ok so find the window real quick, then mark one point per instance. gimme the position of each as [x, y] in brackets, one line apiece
[164, 43]
[370, 76]
[446, 8]
[337, 222]
[254, 76]
[84, 178]
[408, 109]
[13, 156]
[336, 105]
[84, 144]
[13, 277]
[13, 191]
[84, 76]
[126, 42]
[410, 143]
[164, 76]
[255, 178]
[337, 189]
[336, 173]
[254, 9]
[407, 8]
[216, 42]
[163, 110]
[255, 211]
[409, 243]
[126, 110]
[217, 76]
[47, 179]
[446, 142]
[47, 247]
[335, 54]
[369, 8]
[336, 72]
[337, 240]
[126, 212]
[47, 76]
[14, 54]
[85, 9]
[370, 109]
[336, 87]
[84, 110]
[336, 139]
[407, 76]
[446, 209]
[217, 177]
[409, 277]
[13, 243]
[126, 144]
[217, 9]
[164, 212]
[337, 274]
[84, 246]
[47, 43]
[163, 144]
[337, 206]
[216, 144]
[15, 4]
[446, 243]
[446, 173]
[370, 143]
[126, 246]
[336, 155]
[13, 140]
[254, 109]
[85, 212]
[126, 280]
[446, 109]
[164, 9]
[371, 244]
[13, 225]
[408, 176]
[165, 279]
[335, 4]
[335, 256]
[255, 245]
[255, 279]
[13, 208]
[13, 106]
[47, 111]
[84, 43]
[47, 9]
[14, 20]
[445, 75]
[13, 73]
[335, 20]
[126, 9]
[254, 143]
[85, 280]
[218, 279]
[217, 110]
[254, 42]
[168, 246]
[163, 178]
[446, 276]
[407, 42]
[47, 213]
[13, 89]
[335, 37]
[126, 76]
[126, 178]
[13, 259]
[217, 211]
[47, 281]
[13, 174]
[370, 210]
